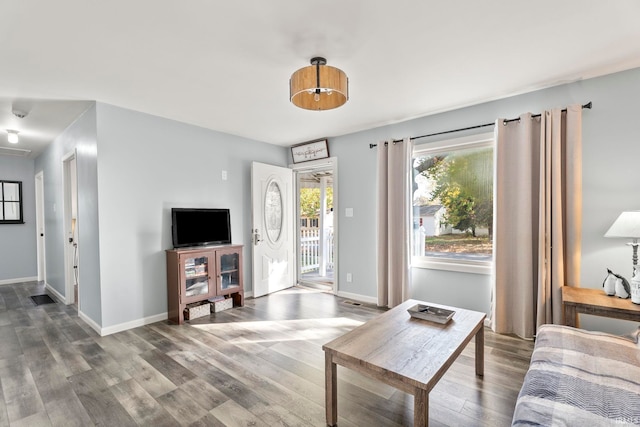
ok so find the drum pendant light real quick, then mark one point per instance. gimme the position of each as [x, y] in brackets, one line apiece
[319, 86]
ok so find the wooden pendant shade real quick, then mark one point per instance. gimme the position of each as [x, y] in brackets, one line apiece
[319, 86]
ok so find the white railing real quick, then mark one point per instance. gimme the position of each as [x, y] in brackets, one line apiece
[310, 249]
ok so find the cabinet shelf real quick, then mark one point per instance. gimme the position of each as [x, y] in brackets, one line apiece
[195, 276]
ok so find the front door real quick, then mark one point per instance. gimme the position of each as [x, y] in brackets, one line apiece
[272, 228]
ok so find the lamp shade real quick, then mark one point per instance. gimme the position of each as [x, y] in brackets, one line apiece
[627, 225]
[319, 86]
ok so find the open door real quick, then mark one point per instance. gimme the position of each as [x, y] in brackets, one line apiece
[316, 224]
[272, 228]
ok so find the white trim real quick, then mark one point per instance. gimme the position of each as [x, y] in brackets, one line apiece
[472, 141]
[314, 164]
[41, 251]
[248, 294]
[462, 266]
[358, 297]
[86, 319]
[18, 280]
[55, 293]
[67, 196]
[122, 326]
[328, 163]
[478, 267]
[134, 324]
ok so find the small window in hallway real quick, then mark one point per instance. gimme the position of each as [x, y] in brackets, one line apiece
[11, 202]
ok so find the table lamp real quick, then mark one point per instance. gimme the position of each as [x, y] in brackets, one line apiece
[627, 225]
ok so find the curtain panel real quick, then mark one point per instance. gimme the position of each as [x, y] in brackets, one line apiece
[393, 221]
[538, 218]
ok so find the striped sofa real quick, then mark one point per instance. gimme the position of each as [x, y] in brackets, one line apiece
[580, 378]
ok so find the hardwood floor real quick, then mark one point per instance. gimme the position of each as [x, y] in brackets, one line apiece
[259, 365]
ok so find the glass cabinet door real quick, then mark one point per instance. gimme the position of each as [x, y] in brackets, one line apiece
[229, 272]
[196, 273]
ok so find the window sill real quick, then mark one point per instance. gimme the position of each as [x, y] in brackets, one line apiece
[473, 267]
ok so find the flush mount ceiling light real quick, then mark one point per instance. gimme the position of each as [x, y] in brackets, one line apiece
[319, 86]
[12, 136]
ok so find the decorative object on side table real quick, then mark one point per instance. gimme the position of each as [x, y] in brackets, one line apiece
[623, 290]
[635, 288]
[627, 225]
[434, 314]
[615, 284]
[609, 283]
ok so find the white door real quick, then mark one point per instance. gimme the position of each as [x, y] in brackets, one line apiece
[272, 228]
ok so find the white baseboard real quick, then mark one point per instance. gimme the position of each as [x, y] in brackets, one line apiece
[55, 293]
[358, 297]
[90, 322]
[133, 324]
[248, 294]
[19, 280]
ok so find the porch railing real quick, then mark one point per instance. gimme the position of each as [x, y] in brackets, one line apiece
[310, 249]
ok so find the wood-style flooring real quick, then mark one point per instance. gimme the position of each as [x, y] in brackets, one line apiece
[259, 365]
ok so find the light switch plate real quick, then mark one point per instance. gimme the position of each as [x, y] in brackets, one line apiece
[348, 212]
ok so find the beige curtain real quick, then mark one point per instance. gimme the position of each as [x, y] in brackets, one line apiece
[394, 202]
[538, 218]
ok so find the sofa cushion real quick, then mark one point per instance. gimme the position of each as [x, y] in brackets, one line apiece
[580, 378]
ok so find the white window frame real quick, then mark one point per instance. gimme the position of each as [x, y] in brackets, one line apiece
[433, 263]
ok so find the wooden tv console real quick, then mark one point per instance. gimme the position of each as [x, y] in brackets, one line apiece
[196, 274]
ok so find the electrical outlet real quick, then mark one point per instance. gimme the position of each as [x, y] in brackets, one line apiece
[349, 278]
[224, 175]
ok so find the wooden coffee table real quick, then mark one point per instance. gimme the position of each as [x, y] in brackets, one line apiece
[406, 353]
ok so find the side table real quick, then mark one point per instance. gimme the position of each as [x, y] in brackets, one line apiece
[597, 303]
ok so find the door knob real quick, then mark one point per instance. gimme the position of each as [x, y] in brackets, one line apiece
[256, 237]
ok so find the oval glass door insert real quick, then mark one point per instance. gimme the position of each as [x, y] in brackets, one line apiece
[273, 211]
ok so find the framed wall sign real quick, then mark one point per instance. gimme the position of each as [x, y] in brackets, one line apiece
[307, 151]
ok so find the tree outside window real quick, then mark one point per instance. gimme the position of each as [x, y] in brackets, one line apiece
[453, 204]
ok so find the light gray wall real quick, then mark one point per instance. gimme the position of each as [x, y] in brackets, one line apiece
[18, 257]
[611, 138]
[146, 166]
[81, 137]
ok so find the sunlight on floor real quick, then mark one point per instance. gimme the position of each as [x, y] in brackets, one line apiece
[280, 330]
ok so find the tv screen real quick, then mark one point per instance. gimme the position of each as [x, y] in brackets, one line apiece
[199, 227]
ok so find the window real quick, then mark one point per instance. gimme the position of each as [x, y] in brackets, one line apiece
[11, 202]
[453, 204]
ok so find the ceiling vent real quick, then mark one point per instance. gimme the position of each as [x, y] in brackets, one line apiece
[5, 151]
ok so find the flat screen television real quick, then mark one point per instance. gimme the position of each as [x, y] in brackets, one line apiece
[200, 227]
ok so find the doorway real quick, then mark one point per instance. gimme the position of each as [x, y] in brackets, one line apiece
[40, 237]
[70, 217]
[316, 201]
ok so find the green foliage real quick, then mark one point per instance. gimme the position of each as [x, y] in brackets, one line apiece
[310, 201]
[463, 184]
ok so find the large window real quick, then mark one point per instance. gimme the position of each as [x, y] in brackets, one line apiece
[453, 204]
[11, 202]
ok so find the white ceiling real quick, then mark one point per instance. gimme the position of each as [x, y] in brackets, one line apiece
[226, 65]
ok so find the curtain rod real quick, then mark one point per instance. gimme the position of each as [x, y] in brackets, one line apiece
[588, 105]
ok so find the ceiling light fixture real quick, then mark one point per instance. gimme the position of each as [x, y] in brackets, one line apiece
[12, 136]
[319, 86]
